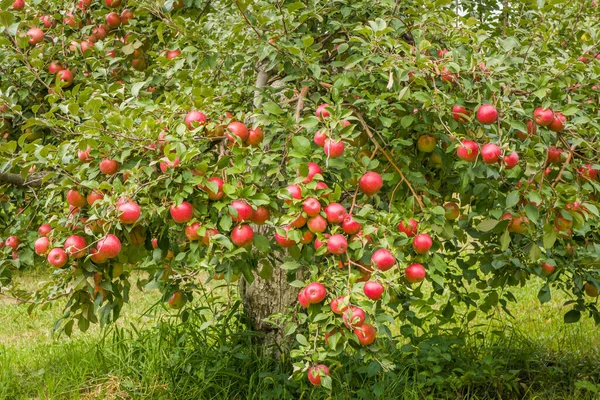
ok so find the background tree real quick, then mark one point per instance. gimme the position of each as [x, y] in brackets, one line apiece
[338, 153]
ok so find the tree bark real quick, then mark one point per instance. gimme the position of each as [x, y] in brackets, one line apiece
[33, 180]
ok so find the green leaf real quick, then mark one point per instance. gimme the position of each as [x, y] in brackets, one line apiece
[302, 340]
[135, 88]
[262, 243]
[535, 253]
[301, 144]
[532, 212]
[290, 266]
[6, 18]
[505, 240]
[512, 199]
[545, 295]
[572, 316]
[549, 238]
[487, 225]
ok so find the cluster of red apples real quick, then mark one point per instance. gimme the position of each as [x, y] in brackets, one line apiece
[113, 20]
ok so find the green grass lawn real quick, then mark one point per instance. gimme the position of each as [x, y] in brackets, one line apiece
[140, 358]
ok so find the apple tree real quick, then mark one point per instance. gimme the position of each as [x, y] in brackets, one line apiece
[369, 170]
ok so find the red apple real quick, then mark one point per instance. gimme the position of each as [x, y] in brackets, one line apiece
[337, 244]
[426, 143]
[18, 5]
[511, 160]
[109, 167]
[75, 246]
[335, 213]
[126, 16]
[373, 290]
[84, 155]
[382, 259]
[260, 215]
[64, 75]
[295, 192]
[57, 257]
[171, 54]
[333, 148]
[315, 292]
[75, 198]
[313, 169]
[243, 211]
[316, 372]
[366, 334]
[461, 114]
[166, 164]
[320, 138]
[94, 196]
[558, 123]
[317, 224]
[468, 150]
[307, 237]
[339, 305]
[370, 183]
[422, 243]
[41, 246]
[191, 231]
[563, 224]
[543, 117]
[451, 211]
[129, 212]
[194, 119]
[283, 240]
[219, 193]
[54, 67]
[12, 242]
[182, 213]
[591, 290]
[490, 153]
[322, 112]
[311, 207]
[409, 227]
[176, 301]
[113, 20]
[353, 316]
[487, 114]
[238, 129]
[112, 3]
[109, 246]
[302, 299]
[555, 155]
[36, 35]
[209, 233]
[587, 172]
[299, 222]
[415, 273]
[255, 137]
[350, 226]
[547, 269]
[242, 235]
[44, 230]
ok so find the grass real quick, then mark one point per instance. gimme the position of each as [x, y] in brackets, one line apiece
[533, 356]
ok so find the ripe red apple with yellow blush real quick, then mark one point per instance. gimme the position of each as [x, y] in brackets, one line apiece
[468, 150]
[370, 183]
[373, 290]
[242, 235]
[415, 273]
[487, 114]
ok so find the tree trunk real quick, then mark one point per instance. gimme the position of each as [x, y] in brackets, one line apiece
[263, 298]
